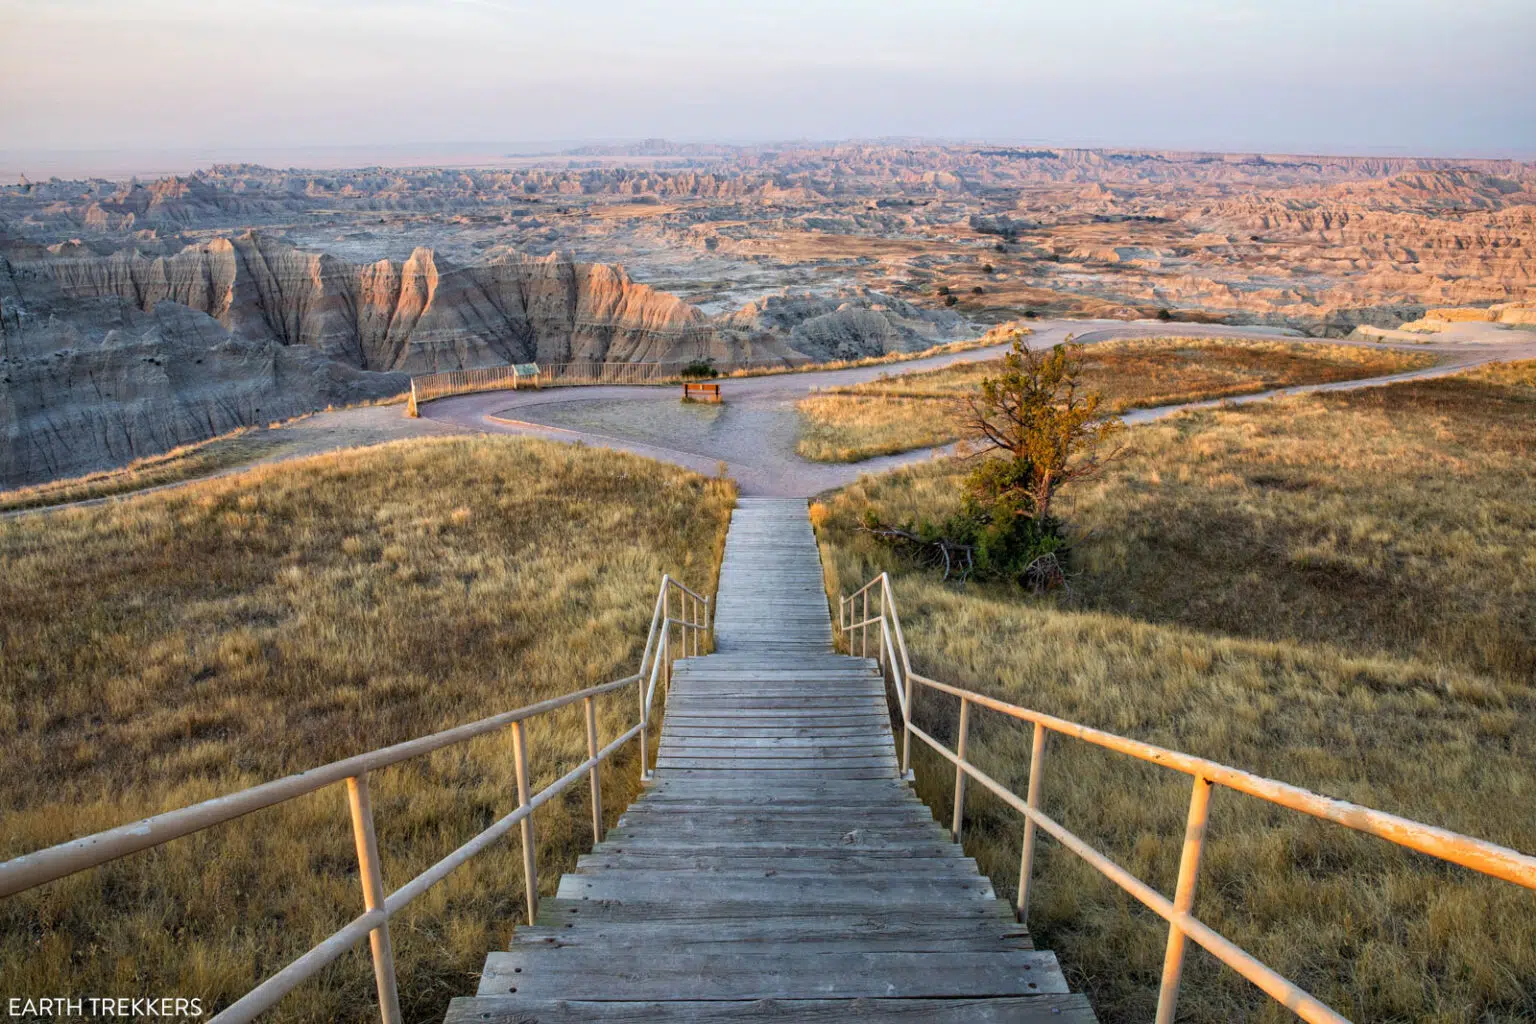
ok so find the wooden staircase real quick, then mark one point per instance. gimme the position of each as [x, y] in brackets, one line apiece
[778, 868]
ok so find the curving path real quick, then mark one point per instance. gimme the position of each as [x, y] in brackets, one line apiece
[753, 434]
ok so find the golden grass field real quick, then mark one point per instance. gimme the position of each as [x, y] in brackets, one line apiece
[1336, 590]
[922, 410]
[168, 648]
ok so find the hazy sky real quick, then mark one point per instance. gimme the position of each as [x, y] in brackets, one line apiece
[1451, 77]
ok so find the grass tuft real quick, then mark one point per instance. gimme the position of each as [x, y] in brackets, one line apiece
[180, 645]
[1332, 590]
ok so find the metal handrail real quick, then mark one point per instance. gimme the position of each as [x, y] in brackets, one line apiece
[693, 626]
[1480, 856]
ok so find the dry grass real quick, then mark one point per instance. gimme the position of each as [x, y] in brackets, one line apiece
[179, 645]
[921, 410]
[184, 463]
[943, 348]
[851, 428]
[1334, 590]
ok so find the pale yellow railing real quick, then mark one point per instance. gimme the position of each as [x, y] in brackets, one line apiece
[858, 621]
[680, 626]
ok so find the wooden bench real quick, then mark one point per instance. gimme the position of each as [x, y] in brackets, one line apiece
[699, 392]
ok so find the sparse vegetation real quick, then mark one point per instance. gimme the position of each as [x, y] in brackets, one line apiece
[175, 646]
[901, 412]
[178, 464]
[1333, 590]
[700, 369]
[1033, 431]
[942, 348]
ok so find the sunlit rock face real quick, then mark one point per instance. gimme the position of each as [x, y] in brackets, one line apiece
[111, 357]
[418, 314]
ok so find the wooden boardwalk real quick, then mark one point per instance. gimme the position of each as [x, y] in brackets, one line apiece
[778, 868]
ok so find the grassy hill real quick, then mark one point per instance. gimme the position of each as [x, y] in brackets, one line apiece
[168, 648]
[1335, 591]
[898, 413]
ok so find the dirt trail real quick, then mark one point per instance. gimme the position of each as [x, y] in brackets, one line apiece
[754, 433]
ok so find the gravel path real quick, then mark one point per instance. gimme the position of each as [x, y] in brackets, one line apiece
[754, 432]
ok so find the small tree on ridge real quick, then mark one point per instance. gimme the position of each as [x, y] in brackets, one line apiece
[1051, 430]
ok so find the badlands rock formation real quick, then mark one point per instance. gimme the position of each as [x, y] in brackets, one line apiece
[745, 252]
[420, 314]
[106, 358]
[98, 382]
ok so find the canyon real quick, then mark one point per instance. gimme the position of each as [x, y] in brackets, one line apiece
[135, 316]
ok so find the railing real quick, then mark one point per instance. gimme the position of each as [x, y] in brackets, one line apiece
[857, 622]
[462, 382]
[680, 626]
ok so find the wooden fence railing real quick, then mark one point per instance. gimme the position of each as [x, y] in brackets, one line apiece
[680, 627]
[857, 623]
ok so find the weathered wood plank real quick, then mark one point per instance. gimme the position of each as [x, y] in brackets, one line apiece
[853, 932]
[776, 868]
[1044, 1009]
[656, 887]
[810, 864]
[582, 974]
[561, 913]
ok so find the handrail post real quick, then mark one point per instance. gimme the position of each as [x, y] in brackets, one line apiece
[645, 741]
[709, 621]
[880, 652]
[960, 745]
[1027, 859]
[594, 777]
[864, 627]
[1184, 897]
[530, 865]
[906, 727]
[366, 840]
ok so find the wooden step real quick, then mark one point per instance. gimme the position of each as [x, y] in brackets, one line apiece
[1045, 1009]
[778, 972]
[776, 868]
[809, 864]
[882, 930]
[569, 914]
